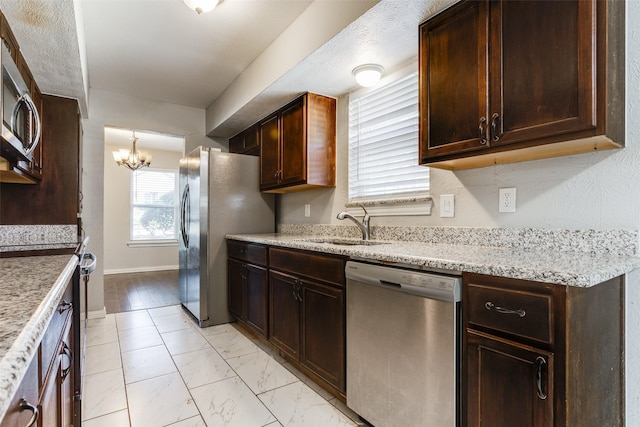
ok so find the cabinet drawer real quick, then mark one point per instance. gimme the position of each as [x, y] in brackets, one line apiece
[321, 267]
[518, 312]
[51, 338]
[252, 253]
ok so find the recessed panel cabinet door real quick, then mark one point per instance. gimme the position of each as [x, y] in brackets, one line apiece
[257, 298]
[269, 152]
[285, 313]
[508, 384]
[453, 80]
[542, 69]
[236, 282]
[294, 144]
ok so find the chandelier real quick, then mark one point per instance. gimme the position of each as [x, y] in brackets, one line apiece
[132, 159]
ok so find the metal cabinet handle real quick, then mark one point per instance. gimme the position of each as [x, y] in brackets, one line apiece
[492, 307]
[23, 405]
[541, 364]
[64, 306]
[66, 351]
[481, 135]
[296, 291]
[494, 126]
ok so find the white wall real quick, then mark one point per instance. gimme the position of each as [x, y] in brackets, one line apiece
[108, 108]
[598, 190]
[118, 256]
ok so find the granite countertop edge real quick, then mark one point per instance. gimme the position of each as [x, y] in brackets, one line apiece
[18, 357]
[562, 268]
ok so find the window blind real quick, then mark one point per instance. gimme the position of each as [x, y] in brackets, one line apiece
[383, 143]
[153, 204]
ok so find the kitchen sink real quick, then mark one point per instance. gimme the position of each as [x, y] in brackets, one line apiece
[344, 242]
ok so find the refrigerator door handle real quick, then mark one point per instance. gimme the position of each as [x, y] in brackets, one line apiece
[184, 215]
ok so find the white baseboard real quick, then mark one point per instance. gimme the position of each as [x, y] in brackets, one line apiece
[97, 314]
[141, 269]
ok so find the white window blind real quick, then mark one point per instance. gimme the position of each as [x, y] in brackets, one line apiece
[383, 143]
[154, 204]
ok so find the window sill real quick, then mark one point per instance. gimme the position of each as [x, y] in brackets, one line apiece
[151, 243]
[393, 207]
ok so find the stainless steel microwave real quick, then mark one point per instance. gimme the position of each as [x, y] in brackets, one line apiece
[21, 124]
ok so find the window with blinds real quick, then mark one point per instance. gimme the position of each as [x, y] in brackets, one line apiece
[154, 204]
[383, 143]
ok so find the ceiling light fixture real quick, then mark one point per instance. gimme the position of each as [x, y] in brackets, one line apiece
[368, 75]
[133, 159]
[201, 6]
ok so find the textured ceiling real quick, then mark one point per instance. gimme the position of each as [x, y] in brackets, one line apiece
[160, 50]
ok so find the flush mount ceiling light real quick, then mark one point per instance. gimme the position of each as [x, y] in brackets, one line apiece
[368, 75]
[201, 6]
[133, 159]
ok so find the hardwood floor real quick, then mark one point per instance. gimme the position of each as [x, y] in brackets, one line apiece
[139, 291]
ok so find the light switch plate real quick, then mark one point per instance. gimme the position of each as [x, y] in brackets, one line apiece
[307, 210]
[447, 206]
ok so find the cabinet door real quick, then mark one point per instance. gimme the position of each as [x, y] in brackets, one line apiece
[27, 390]
[453, 81]
[293, 140]
[269, 152]
[236, 283]
[257, 298]
[508, 384]
[323, 332]
[65, 380]
[284, 313]
[543, 72]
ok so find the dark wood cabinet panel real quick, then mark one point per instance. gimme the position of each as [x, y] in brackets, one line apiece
[507, 81]
[55, 199]
[509, 384]
[323, 332]
[257, 298]
[326, 268]
[246, 142]
[285, 313]
[235, 277]
[248, 285]
[454, 75]
[269, 151]
[538, 339]
[297, 146]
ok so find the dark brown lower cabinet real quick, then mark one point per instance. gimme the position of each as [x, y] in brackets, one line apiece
[520, 378]
[307, 306]
[48, 384]
[248, 286]
[538, 354]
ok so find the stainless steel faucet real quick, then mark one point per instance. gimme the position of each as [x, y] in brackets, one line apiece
[364, 225]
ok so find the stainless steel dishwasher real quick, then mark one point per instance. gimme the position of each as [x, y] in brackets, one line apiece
[403, 346]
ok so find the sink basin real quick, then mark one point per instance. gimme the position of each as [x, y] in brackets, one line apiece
[344, 242]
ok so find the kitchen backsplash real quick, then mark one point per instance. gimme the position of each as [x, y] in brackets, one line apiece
[618, 242]
[37, 237]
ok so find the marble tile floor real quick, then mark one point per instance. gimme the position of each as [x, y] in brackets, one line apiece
[156, 368]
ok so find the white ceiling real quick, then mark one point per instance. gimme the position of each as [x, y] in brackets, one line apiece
[161, 50]
[146, 139]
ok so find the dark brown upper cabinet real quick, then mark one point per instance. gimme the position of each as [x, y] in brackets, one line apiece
[510, 81]
[298, 146]
[246, 142]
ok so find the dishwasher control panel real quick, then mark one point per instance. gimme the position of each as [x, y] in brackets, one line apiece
[428, 285]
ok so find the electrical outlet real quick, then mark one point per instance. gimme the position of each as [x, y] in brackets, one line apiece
[507, 201]
[447, 206]
[307, 211]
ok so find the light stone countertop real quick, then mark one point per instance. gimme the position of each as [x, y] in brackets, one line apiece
[558, 267]
[30, 289]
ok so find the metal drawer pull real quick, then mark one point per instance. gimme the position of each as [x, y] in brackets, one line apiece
[541, 364]
[494, 126]
[481, 135]
[492, 307]
[26, 406]
[64, 306]
[67, 352]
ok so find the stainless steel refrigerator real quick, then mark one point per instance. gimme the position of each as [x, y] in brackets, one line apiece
[219, 194]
